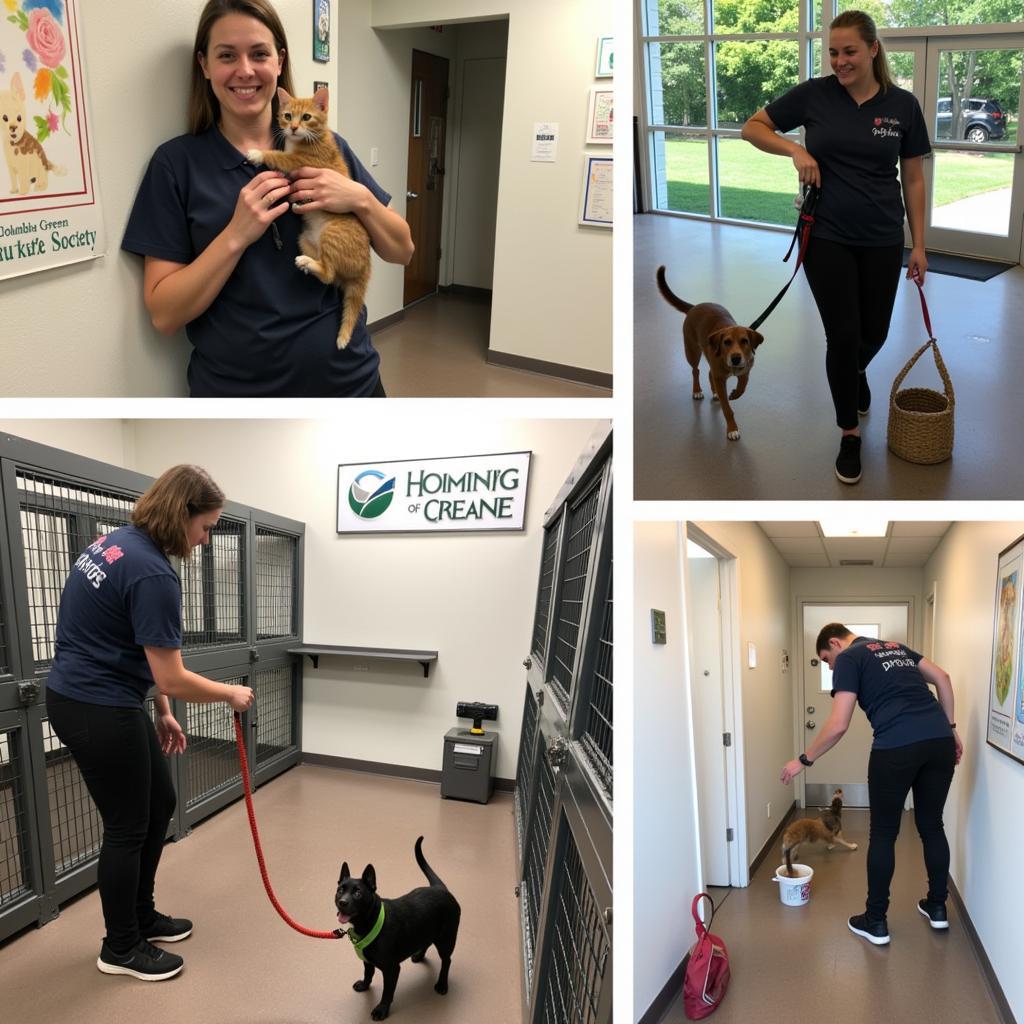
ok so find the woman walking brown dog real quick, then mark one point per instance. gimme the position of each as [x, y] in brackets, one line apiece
[858, 127]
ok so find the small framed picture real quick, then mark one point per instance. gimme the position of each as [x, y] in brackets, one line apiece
[605, 57]
[596, 193]
[600, 122]
[322, 30]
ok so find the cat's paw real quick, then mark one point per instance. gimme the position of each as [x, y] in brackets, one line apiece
[254, 156]
[304, 263]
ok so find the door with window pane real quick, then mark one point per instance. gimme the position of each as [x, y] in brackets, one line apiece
[969, 88]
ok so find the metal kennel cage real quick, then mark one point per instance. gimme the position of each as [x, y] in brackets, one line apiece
[563, 797]
[241, 610]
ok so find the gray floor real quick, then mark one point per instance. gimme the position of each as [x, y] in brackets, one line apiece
[789, 439]
[803, 964]
[244, 964]
[439, 349]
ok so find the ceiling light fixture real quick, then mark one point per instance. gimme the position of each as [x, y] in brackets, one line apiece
[861, 526]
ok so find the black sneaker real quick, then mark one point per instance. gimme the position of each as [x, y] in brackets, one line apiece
[935, 912]
[848, 460]
[167, 929]
[876, 932]
[145, 962]
[863, 394]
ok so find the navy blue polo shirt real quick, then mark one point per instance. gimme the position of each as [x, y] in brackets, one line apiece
[892, 692]
[858, 150]
[121, 595]
[272, 331]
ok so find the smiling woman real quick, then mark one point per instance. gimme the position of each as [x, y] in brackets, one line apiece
[220, 240]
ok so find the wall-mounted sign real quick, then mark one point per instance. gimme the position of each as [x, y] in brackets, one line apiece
[49, 210]
[458, 493]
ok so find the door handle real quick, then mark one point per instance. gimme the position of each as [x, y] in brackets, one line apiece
[412, 195]
[810, 725]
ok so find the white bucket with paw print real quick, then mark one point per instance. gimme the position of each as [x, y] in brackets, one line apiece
[794, 892]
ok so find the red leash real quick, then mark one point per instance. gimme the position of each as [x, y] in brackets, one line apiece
[256, 840]
[924, 305]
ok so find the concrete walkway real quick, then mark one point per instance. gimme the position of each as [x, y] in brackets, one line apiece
[988, 213]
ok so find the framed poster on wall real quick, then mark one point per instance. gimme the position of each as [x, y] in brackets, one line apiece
[1005, 729]
[322, 30]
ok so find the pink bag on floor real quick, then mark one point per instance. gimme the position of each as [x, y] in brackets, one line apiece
[705, 969]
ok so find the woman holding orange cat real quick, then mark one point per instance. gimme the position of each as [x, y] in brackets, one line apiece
[220, 239]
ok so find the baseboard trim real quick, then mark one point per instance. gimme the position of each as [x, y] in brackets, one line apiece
[386, 321]
[466, 289]
[577, 374]
[665, 997]
[991, 981]
[396, 771]
[773, 840]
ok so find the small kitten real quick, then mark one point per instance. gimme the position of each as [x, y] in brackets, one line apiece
[335, 246]
[828, 827]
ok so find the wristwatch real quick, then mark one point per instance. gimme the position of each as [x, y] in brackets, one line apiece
[804, 761]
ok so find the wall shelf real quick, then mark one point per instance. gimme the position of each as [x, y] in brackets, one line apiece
[425, 658]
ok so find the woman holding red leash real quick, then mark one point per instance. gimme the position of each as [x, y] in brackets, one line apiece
[118, 633]
[859, 127]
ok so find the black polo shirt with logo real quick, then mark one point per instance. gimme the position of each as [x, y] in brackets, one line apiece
[272, 330]
[858, 149]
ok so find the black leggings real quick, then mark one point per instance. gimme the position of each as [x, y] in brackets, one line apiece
[927, 769]
[854, 287]
[126, 773]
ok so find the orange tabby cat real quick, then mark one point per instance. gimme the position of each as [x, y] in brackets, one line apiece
[335, 246]
[828, 827]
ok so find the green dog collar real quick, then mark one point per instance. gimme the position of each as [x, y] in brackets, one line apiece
[359, 944]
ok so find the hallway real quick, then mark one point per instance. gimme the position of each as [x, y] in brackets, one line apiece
[439, 350]
[803, 963]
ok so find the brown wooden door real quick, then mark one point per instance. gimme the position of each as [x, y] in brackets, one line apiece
[425, 191]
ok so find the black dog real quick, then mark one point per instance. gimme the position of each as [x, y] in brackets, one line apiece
[428, 916]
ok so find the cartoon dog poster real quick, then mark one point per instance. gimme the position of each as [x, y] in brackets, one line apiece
[49, 210]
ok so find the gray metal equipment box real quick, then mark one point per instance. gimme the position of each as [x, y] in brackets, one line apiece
[468, 765]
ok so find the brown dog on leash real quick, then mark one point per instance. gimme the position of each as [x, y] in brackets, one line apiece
[729, 349]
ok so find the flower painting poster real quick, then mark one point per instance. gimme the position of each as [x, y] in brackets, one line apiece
[49, 211]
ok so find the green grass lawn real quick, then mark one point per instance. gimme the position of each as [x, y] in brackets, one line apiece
[757, 186]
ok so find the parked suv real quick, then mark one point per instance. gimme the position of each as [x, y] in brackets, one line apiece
[980, 120]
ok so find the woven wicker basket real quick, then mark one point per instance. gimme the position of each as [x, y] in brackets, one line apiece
[920, 419]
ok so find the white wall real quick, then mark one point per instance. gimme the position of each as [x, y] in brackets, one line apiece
[766, 738]
[475, 156]
[552, 278]
[983, 823]
[83, 329]
[469, 596]
[666, 859]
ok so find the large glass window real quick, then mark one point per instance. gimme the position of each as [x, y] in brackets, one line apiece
[757, 52]
[901, 14]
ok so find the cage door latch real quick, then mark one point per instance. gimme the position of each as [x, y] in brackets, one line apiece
[254, 655]
[28, 692]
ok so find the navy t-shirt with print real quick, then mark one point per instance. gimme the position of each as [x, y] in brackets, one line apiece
[858, 149]
[121, 595]
[272, 330]
[892, 692]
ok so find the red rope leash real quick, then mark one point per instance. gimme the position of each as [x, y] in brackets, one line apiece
[256, 840]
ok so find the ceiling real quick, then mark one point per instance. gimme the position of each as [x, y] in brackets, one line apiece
[906, 545]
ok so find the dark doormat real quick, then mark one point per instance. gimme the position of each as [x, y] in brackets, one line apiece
[961, 266]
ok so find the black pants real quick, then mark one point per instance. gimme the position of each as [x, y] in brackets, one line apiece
[927, 769]
[854, 287]
[126, 773]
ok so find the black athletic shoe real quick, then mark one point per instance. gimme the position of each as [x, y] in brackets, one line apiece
[876, 932]
[167, 929]
[863, 394]
[145, 962]
[935, 912]
[848, 460]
